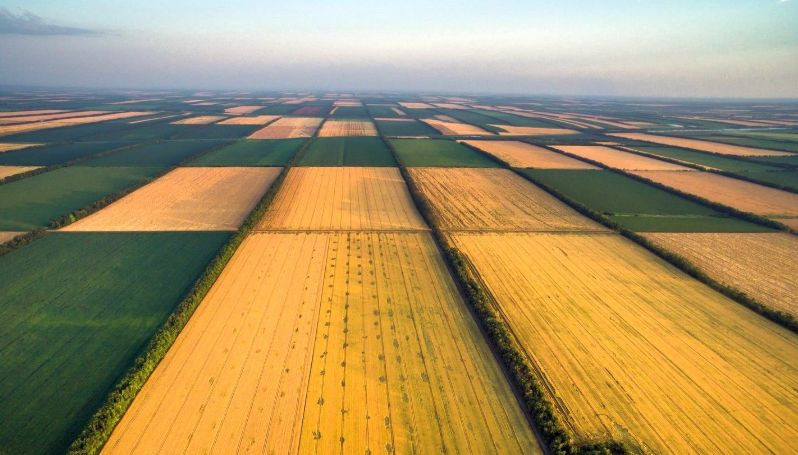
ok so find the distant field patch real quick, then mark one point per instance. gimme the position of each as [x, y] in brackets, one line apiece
[254, 120]
[510, 130]
[242, 110]
[47, 155]
[414, 105]
[248, 152]
[347, 151]
[456, 128]
[521, 154]
[349, 112]
[705, 146]
[620, 160]
[10, 146]
[4, 114]
[8, 171]
[438, 153]
[336, 128]
[313, 111]
[162, 154]
[6, 130]
[200, 120]
[46, 117]
[704, 159]
[403, 128]
[288, 127]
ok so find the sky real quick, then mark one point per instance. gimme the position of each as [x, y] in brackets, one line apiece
[668, 48]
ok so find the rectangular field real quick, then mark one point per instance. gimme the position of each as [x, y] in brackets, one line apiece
[254, 120]
[288, 127]
[75, 311]
[404, 127]
[328, 343]
[342, 198]
[704, 159]
[520, 154]
[494, 199]
[161, 154]
[248, 152]
[512, 130]
[697, 144]
[241, 110]
[456, 128]
[8, 171]
[438, 153]
[200, 120]
[47, 155]
[764, 266]
[186, 199]
[345, 127]
[7, 130]
[10, 146]
[347, 151]
[619, 159]
[628, 347]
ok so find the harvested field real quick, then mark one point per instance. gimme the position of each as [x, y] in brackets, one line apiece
[494, 199]
[742, 195]
[4, 114]
[620, 160]
[200, 120]
[409, 105]
[398, 111]
[186, 199]
[521, 154]
[348, 103]
[7, 130]
[46, 117]
[242, 110]
[791, 222]
[328, 343]
[8, 171]
[456, 128]
[342, 198]
[511, 130]
[288, 127]
[254, 120]
[10, 146]
[763, 266]
[315, 111]
[337, 128]
[697, 144]
[5, 236]
[628, 347]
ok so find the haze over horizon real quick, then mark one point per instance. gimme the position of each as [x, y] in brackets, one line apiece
[707, 48]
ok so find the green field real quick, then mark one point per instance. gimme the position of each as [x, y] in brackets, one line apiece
[473, 117]
[347, 151]
[704, 159]
[636, 205]
[114, 130]
[161, 154]
[764, 143]
[420, 113]
[414, 128]
[784, 178]
[75, 311]
[515, 120]
[34, 202]
[266, 152]
[279, 109]
[48, 155]
[438, 153]
[382, 111]
[350, 112]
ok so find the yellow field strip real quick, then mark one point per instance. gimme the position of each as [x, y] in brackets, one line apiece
[336, 128]
[6, 130]
[619, 159]
[521, 154]
[8, 171]
[11, 146]
[705, 146]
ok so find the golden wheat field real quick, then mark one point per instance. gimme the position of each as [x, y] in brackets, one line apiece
[697, 144]
[342, 198]
[288, 127]
[200, 120]
[240, 110]
[742, 195]
[5, 236]
[45, 117]
[619, 159]
[398, 111]
[10, 147]
[448, 128]
[8, 171]
[628, 347]
[186, 199]
[414, 105]
[328, 343]
[790, 222]
[511, 130]
[521, 154]
[254, 120]
[335, 128]
[494, 199]
[763, 265]
[6, 130]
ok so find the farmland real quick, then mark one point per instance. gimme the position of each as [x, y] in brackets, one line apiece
[619, 159]
[347, 151]
[704, 146]
[8, 171]
[521, 154]
[47, 155]
[336, 128]
[288, 127]
[438, 153]
[404, 127]
[248, 152]
[448, 128]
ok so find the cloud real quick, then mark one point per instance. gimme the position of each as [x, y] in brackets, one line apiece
[27, 23]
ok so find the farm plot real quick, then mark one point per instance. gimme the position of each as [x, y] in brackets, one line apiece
[704, 159]
[704, 146]
[494, 199]
[511, 130]
[199, 120]
[761, 265]
[628, 347]
[415, 105]
[248, 152]
[739, 194]
[520, 154]
[46, 117]
[5, 236]
[347, 151]
[344, 127]
[349, 112]
[75, 311]
[7, 130]
[8, 171]
[161, 154]
[438, 153]
[316, 111]
[620, 160]
[10, 146]
[254, 120]
[403, 127]
[456, 128]
[47, 155]
[288, 127]
[342, 198]
[242, 110]
[327, 343]
[186, 199]
[384, 111]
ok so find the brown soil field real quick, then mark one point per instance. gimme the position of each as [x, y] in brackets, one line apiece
[335, 128]
[328, 343]
[6, 130]
[241, 110]
[186, 199]
[200, 120]
[45, 117]
[456, 128]
[620, 160]
[521, 154]
[763, 265]
[255, 120]
[342, 198]
[705, 146]
[510, 130]
[494, 199]
[5, 236]
[8, 171]
[4, 114]
[791, 222]
[742, 195]
[630, 348]
[409, 105]
[11, 146]
[288, 127]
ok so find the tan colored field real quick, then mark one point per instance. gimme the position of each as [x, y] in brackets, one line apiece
[456, 128]
[449, 106]
[620, 160]
[393, 119]
[6, 130]
[398, 111]
[763, 265]
[45, 117]
[347, 103]
[742, 195]
[241, 110]
[706, 146]
[409, 105]
[4, 114]
[521, 154]
[11, 146]
[8, 171]
[200, 120]
[628, 347]
[186, 199]
[5, 236]
[342, 198]
[288, 127]
[336, 128]
[254, 120]
[494, 199]
[328, 343]
[510, 130]
[791, 222]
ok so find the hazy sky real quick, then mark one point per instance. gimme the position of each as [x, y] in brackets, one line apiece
[603, 47]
